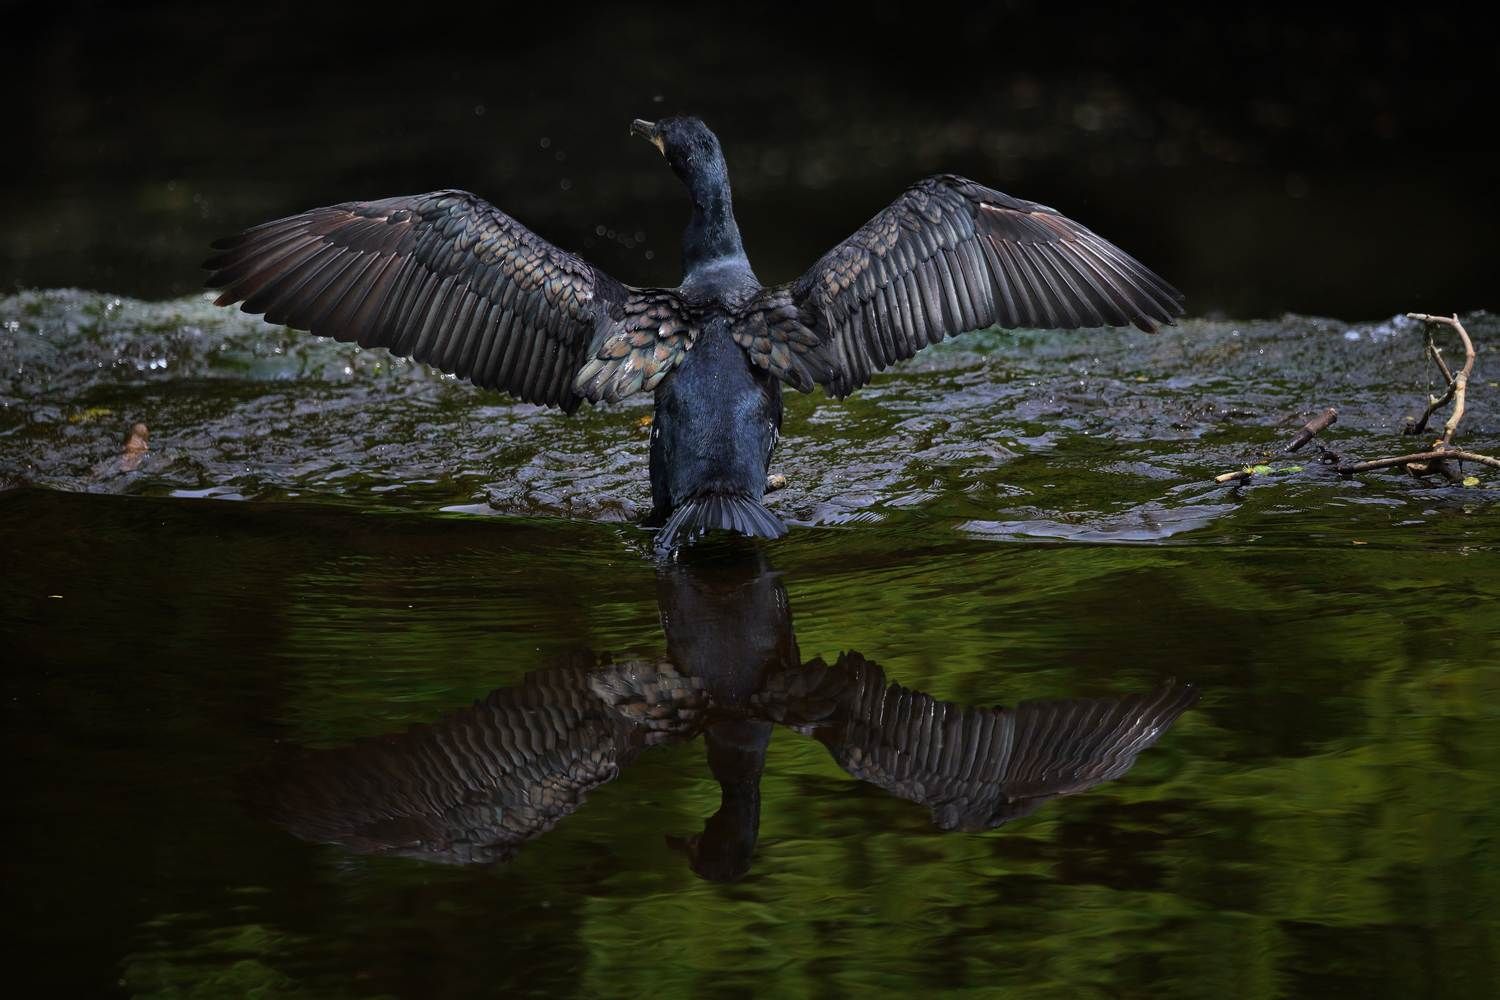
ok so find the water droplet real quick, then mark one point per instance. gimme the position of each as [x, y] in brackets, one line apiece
[479, 111]
[546, 142]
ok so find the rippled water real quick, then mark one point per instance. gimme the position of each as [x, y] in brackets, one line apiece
[196, 684]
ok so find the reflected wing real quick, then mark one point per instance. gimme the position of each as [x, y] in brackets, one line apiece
[450, 280]
[475, 786]
[946, 257]
[975, 768]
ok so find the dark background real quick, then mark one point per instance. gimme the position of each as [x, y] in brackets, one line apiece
[1338, 162]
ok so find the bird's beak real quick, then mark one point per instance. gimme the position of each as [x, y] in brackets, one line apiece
[647, 130]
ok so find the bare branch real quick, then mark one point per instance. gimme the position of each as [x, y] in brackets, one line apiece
[1436, 354]
[1419, 426]
[1437, 455]
[1459, 383]
[1439, 459]
[1312, 428]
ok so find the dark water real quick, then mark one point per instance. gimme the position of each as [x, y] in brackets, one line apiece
[196, 808]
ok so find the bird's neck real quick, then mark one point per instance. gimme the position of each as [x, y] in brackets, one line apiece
[739, 809]
[712, 235]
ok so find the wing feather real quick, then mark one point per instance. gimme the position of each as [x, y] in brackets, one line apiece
[977, 767]
[478, 784]
[450, 280]
[946, 257]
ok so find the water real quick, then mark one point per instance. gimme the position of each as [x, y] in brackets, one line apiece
[322, 547]
[221, 635]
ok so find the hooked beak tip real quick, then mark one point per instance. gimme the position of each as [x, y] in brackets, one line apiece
[647, 130]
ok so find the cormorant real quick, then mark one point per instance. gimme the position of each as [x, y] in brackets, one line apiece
[478, 784]
[450, 280]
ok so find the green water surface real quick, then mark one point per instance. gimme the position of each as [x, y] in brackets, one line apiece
[321, 546]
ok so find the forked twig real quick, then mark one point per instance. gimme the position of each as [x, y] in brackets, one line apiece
[1436, 455]
[1438, 459]
[1460, 382]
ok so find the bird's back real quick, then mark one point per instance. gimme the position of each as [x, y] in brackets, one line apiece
[716, 422]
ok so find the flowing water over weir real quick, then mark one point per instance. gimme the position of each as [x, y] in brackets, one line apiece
[1013, 519]
[1105, 436]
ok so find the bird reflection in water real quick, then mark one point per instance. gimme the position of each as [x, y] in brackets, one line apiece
[479, 783]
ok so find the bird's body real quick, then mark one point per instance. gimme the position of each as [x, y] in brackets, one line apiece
[716, 423]
[448, 279]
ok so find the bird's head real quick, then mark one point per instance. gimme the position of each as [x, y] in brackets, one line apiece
[689, 147]
[721, 853]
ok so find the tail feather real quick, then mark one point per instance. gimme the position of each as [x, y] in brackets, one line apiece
[730, 511]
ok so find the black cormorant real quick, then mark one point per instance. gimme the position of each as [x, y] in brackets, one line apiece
[450, 280]
[480, 783]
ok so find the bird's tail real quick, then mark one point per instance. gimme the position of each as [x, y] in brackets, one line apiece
[730, 511]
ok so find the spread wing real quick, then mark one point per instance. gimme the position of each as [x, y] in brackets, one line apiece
[476, 785]
[946, 257]
[974, 767]
[450, 280]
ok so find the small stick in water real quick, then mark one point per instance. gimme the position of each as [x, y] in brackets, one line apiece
[1307, 433]
[1312, 428]
[1454, 454]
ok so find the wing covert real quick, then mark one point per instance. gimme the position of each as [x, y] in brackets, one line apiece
[949, 256]
[478, 784]
[974, 767]
[448, 279]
